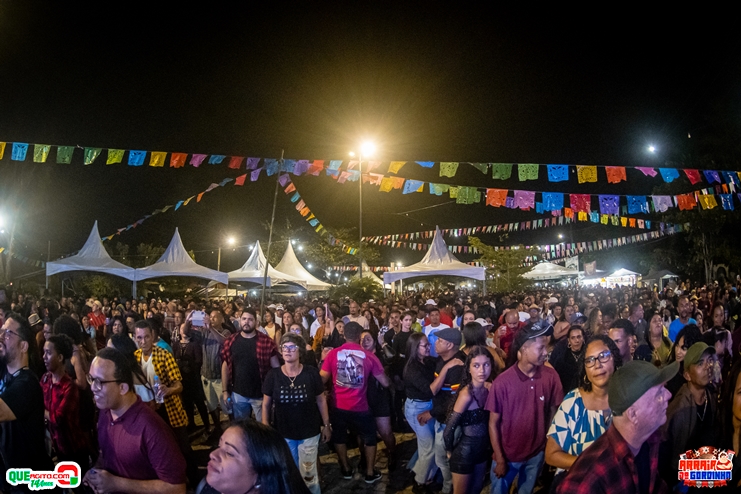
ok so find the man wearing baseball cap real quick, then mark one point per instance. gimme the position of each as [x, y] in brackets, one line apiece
[691, 420]
[522, 402]
[626, 457]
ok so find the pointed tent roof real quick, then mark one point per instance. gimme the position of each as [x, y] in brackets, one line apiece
[549, 271]
[290, 264]
[176, 262]
[367, 273]
[437, 261]
[623, 272]
[92, 257]
[253, 270]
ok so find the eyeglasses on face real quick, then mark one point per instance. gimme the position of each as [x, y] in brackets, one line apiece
[97, 384]
[289, 348]
[603, 357]
[5, 335]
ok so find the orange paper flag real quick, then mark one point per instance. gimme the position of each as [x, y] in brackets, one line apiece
[615, 174]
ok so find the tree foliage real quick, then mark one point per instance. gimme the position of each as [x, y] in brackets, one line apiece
[358, 289]
[504, 268]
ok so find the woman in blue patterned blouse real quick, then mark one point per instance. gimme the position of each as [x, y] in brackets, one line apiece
[584, 413]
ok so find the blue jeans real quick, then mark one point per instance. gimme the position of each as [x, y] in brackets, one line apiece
[242, 407]
[441, 458]
[424, 469]
[526, 471]
[293, 445]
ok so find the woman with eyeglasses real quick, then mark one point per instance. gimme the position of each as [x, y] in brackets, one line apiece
[584, 414]
[296, 394]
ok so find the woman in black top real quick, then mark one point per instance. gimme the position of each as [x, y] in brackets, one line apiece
[379, 401]
[189, 357]
[297, 393]
[421, 385]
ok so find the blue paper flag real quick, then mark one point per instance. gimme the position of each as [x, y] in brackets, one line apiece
[726, 200]
[552, 201]
[295, 197]
[426, 164]
[216, 159]
[177, 206]
[136, 158]
[669, 174]
[19, 151]
[558, 173]
[730, 177]
[314, 222]
[609, 204]
[289, 166]
[711, 176]
[637, 204]
[334, 165]
[272, 166]
[412, 186]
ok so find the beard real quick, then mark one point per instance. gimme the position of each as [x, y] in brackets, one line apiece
[248, 329]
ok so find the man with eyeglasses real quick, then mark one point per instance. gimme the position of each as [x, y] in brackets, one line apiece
[21, 401]
[138, 452]
[691, 419]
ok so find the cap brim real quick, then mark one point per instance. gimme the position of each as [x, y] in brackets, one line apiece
[666, 374]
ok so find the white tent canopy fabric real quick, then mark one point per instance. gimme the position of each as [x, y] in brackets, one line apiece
[290, 265]
[176, 262]
[438, 261]
[549, 271]
[367, 273]
[623, 272]
[92, 257]
[254, 269]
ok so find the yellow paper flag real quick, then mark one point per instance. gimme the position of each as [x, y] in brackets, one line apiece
[114, 156]
[395, 166]
[387, 183]
[586, 173]
[157, 158]
[2, 152]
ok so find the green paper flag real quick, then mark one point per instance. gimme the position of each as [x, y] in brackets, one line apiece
[453, 192]
[40, 152]
[91, 154]
[501, 171]
[527, 171]
[448, 168]
[64, 154]
[482, 167]
[114, 156]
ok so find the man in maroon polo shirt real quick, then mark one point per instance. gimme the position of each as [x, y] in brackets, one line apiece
[522, 402]
[138, 451]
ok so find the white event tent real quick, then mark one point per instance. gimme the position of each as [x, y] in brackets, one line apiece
[367, 273]
[254, 269]
[290, 265]
[176, 262]
[437, 261]
[549, 271]
[92, 257]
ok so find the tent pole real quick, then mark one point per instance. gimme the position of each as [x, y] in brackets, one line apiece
[270, 239]
[133, 289]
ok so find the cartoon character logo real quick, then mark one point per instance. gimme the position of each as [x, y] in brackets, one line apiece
[706, 467]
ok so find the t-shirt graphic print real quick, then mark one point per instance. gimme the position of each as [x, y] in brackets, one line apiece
[350, 369]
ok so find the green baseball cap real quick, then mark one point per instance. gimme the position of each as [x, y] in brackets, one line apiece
[695, 353]
[632, 380]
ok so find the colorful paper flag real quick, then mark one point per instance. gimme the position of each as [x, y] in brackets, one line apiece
[615, 174]
[501, 171]
[586, 173]
[114, 156]
[177, 160]
[19, 151]
[136, 158]
[40, 152]
[558, 173]
[197, 159]
[157, 159]
[669, 174]
[235, 162]
[395, 166]
[448, 168]
[216, 159]
[527, 171]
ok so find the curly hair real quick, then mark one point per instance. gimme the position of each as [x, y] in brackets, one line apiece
[617, 359]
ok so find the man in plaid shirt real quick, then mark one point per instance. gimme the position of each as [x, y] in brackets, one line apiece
[626, 457]
[246, 358]
[158, 362]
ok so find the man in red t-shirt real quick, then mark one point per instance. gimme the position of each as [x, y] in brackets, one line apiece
[349, 367]
[506, 331]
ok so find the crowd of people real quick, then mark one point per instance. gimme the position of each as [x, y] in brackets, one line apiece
[591, 390]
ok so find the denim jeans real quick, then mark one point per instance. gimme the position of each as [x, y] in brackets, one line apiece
[424, 469]
[293, 445]
[243, 406]
[527, 471]
[441, 458]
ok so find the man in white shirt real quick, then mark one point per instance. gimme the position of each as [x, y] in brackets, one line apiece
[356, 316]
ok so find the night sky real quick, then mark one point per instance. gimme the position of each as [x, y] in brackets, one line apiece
[428, 81]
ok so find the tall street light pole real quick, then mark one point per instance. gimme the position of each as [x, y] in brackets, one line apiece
[366, 149]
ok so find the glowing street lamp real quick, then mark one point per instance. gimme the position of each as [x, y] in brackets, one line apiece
[230, 242]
